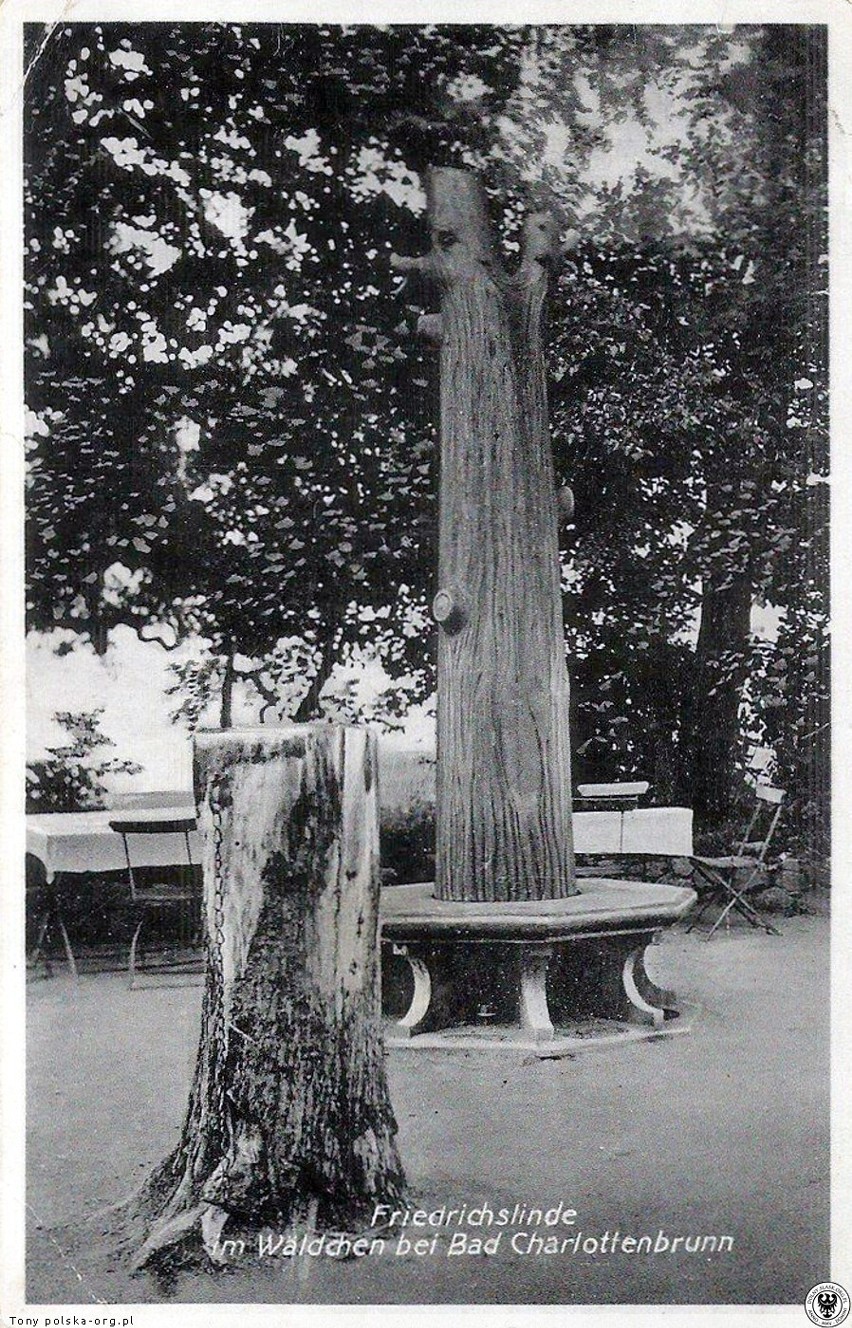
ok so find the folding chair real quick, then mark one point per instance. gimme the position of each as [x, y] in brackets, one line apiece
[160, 896]
[719, 875]
[617, 797]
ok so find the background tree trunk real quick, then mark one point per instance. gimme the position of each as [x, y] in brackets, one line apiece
[289, 1116]
[226, 712]
[712, 711]
[310, 703]
[504, 783]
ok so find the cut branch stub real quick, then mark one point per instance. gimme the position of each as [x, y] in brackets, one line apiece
[448, 609]
[565, 504]
[424, 263]
[540, 243]
[504, 790]
[429, 328]
[289, 1110]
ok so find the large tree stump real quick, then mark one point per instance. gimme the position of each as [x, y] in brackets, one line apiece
[504, 782]
[289, 1118]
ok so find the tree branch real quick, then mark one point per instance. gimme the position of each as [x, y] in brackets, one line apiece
[430, 328]
[159, 640]
[269, 696]
[423, 264]
[307, 707]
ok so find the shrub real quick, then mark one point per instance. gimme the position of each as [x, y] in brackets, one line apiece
[71, 778]
[408, 842]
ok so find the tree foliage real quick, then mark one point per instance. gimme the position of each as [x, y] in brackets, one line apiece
[232, 425]
[72, 776]
[236, 442]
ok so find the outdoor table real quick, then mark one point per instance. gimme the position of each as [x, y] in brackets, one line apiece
[641, 831]
[74, 842]
[71, 843]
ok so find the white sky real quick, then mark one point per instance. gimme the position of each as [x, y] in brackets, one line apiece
[129, 681]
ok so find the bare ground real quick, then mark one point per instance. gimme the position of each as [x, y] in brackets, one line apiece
[721, 1131]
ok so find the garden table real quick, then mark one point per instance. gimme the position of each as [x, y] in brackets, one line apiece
[74, 842]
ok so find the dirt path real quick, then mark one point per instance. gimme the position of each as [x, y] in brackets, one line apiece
[723, 1131]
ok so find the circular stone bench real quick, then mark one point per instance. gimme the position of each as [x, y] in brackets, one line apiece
[532, 968]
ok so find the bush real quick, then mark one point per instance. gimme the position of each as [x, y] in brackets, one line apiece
[408, 842]
[68, 779]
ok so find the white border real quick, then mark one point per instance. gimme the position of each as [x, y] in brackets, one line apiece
[13, 13]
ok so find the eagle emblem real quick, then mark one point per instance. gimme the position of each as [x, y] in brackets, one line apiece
[827, 1303]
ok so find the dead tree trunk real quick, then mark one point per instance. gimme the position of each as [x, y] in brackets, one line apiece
[504, 784]
[289, 1118]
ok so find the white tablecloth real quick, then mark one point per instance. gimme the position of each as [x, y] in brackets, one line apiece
[663, 831]
[84, 842]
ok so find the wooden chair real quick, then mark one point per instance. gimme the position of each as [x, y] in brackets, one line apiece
[611, 797]
[716, 878]
[178, 895]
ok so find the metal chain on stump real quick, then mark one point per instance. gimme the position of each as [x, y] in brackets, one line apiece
[216, 1188]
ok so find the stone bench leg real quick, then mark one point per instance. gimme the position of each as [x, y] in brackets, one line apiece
[445, 990]
[535, 1015]
[649, 1003]
[432, 1006]
[418, 1010]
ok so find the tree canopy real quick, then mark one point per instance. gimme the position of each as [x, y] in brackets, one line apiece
[232, 425]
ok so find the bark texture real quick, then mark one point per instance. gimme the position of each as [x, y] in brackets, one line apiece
[712, 705]
[504, 782]
[289, 1117]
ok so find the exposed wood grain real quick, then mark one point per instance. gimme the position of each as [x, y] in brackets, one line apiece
[289, 1106]
[504, 792]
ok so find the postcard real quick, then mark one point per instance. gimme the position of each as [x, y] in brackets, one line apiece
[424, 628]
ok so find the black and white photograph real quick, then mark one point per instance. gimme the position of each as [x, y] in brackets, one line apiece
[422, 458]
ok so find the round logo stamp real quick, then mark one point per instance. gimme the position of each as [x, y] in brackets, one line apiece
[827, 1302]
